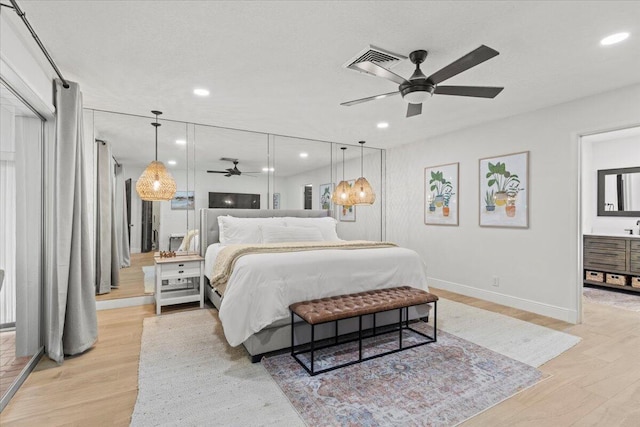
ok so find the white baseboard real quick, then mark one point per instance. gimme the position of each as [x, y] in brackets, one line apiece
[124, 302]
[543, 309]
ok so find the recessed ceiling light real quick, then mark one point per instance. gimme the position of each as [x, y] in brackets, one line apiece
[181, 141]
[382, 125]
[268, 169]
[201, 92]
[171, 162]
[614, 38]
[304, 155]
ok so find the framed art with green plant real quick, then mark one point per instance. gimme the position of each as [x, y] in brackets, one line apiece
[441, 194]
[504, 201]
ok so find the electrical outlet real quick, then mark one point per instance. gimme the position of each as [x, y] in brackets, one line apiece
[496, 281]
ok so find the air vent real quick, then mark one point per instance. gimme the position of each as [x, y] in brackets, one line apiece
[228, 159]
[376, 55]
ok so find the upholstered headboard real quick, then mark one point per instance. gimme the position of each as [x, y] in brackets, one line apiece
[209, 231]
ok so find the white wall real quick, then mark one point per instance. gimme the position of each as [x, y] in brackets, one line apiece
[608, 154]
[24, 65]
[537, 267]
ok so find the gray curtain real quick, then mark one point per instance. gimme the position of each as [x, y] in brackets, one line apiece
[107, 247]
[121, 218]
[71, 324]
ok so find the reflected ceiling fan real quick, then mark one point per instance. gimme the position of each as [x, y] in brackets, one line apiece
[419, 87]
[234, 170]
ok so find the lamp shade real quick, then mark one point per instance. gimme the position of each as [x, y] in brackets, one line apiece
[156, 183]
[342, 195]
[362, 193]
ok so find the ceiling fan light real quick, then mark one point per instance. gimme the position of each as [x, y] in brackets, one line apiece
[362, 193]
[417, 97]
[156, 183]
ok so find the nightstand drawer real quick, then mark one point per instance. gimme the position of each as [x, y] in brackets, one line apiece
[180, 269]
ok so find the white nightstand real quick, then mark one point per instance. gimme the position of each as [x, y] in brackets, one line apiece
[179, 279]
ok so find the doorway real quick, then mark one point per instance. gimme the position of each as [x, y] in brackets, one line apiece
[610, 218]
[308, 196]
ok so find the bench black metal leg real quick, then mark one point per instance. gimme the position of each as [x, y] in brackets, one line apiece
[292, 343]
[435, 321]
[360, 338]
[313, 340]
[400, 328]
[336, 341]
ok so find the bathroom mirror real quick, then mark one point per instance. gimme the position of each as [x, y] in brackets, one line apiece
[619, 192]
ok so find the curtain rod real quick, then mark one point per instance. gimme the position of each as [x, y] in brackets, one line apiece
[103, 142]
[23, 16]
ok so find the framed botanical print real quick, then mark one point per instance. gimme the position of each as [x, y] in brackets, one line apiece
[441, 194]
[325, 196]
[504, 199]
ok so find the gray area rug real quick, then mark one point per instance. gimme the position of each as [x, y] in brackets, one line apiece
[189, 375]
[622, 300]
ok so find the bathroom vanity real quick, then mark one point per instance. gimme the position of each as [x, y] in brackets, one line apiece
[612, 262]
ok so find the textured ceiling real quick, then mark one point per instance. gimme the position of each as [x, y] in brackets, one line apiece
[277, 66]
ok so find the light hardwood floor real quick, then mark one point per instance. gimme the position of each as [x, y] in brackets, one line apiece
[131, 278]
[596, 383]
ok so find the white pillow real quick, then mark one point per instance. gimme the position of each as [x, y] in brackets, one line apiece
[278, 234]
[326, 225]
[243, 230]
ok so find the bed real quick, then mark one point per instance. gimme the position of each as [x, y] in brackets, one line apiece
[260, 286]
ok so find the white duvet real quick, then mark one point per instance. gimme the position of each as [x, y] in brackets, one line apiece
[262, 286]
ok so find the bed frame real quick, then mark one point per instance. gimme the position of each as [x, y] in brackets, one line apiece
[277, 336]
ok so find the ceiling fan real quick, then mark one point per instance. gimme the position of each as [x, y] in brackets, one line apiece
[234, 170]
[419, 87]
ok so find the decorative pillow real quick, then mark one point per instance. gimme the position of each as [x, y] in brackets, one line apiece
[326, 225]
[278, 234]
[243, 230]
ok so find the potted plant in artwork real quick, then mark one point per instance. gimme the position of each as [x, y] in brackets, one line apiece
[432, 203]
[504, 181]
[446, 199]
[440, 185]
[510, 208]
[490, 201]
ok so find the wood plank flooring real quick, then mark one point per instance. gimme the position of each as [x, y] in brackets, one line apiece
[131, 278]
[596, 383]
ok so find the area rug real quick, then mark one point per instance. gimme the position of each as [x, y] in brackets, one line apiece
[612, 298]
[189, 375]
[523, 341]
[440, 384]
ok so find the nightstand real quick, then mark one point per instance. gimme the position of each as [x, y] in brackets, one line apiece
[179, 279]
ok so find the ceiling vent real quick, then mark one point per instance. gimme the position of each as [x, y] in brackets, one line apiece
[228, 159]
[376, 55]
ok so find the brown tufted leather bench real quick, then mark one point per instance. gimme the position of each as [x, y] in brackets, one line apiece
[333, 309]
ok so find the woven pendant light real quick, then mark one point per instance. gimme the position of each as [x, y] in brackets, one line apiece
[156, 183]
[342, 192]
[361, 192]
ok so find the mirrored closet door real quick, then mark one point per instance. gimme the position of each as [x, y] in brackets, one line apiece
[21, 225]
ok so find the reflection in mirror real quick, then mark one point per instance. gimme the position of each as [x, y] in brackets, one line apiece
[124, 146]
[619, 192]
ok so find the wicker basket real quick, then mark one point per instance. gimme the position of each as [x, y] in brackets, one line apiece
[594, 276]
[616, 279]
[635, 282]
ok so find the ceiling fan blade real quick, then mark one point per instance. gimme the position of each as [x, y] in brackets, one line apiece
[414, 110]
[371, 98]
[380, 72]
[471, 59]
[228, 175]
[475, 91]
[217, 172]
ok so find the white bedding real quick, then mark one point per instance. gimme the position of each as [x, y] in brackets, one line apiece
[262, 286]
